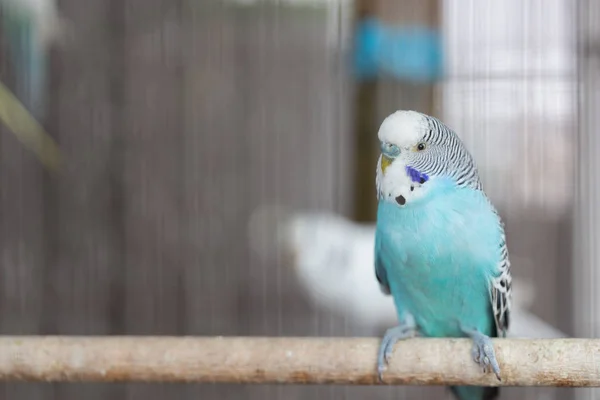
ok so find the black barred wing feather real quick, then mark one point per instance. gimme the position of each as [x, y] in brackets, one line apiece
[501, 291]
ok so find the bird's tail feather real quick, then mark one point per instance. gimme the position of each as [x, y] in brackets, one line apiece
[475, 392]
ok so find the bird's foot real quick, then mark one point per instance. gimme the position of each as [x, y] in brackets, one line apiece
[483, 352]
[392, 336]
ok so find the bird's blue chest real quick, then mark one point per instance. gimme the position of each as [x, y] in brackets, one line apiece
[438, 255]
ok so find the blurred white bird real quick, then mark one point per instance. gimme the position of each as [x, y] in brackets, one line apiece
[333, 259]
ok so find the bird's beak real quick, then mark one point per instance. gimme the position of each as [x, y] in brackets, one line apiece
[385, 162]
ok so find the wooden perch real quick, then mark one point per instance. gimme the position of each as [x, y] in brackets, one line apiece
[523, 362]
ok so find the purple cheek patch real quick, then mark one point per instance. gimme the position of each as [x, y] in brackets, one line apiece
[416, 176]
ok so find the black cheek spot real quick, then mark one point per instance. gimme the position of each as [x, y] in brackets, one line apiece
[421, 180]
[412, 188]
[401, 200]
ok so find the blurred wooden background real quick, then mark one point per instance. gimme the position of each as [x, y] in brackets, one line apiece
[177, 119]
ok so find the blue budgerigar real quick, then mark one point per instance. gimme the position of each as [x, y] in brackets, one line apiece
[440, 247]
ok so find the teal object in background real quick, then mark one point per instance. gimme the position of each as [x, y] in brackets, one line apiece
[406, 53]
[29, 61]
[31, 27]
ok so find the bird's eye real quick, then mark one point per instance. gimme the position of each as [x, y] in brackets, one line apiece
[390, 150]
[421, 146]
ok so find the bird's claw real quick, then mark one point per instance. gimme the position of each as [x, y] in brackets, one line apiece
[380, 370]
[483, 354]
[386, 349]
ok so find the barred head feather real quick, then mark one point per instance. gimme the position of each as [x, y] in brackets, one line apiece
[429, 147]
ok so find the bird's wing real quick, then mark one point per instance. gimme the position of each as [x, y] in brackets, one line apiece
[501, 290]
[380, 272]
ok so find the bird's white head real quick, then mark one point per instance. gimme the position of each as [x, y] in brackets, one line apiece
[414, 149]
[402, 130]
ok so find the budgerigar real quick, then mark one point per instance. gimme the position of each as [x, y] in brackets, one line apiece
[440, 247]
[31, 26]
